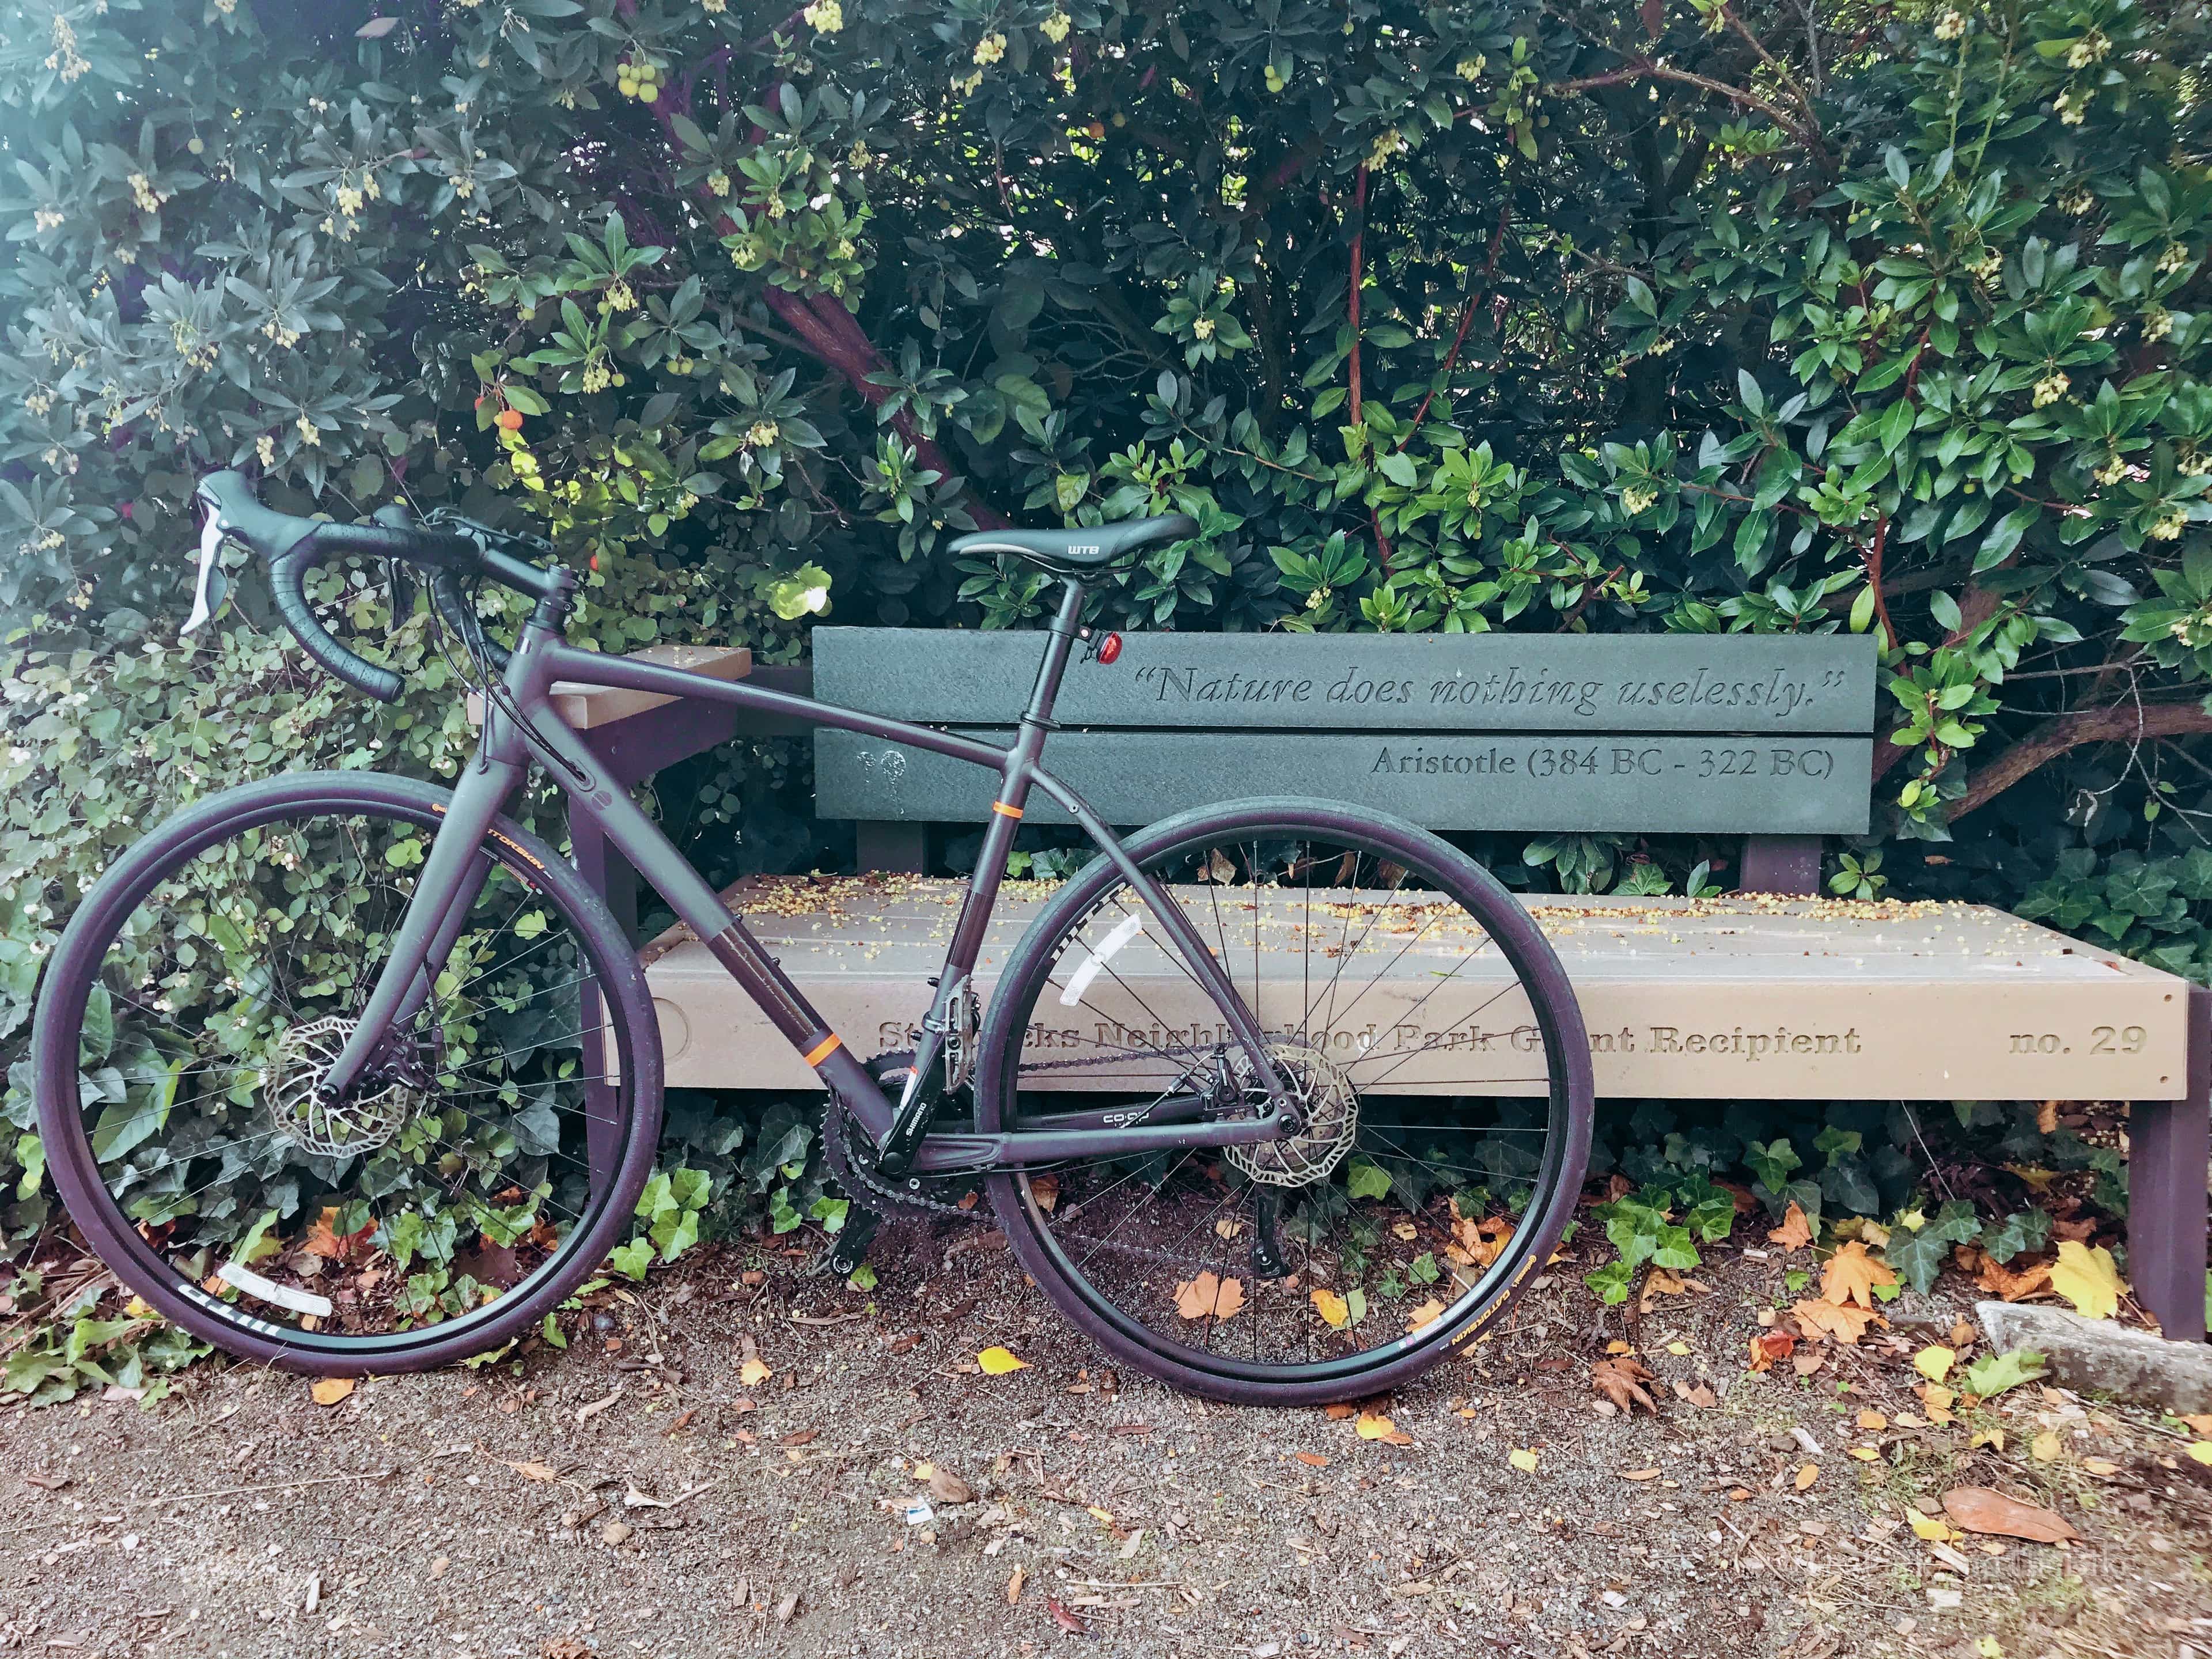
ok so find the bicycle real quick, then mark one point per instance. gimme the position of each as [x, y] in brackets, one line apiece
[350, 1072]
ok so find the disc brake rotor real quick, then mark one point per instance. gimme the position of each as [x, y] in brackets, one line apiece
[292, 1082]
[1331, 1106]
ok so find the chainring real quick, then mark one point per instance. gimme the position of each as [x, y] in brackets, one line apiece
[851, 1157]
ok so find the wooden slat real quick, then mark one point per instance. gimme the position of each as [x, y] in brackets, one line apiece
[1581, 683]
[584, 706]
[1771, 785]
[1732, 999]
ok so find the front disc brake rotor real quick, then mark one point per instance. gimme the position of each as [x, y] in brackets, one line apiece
[292, 1081]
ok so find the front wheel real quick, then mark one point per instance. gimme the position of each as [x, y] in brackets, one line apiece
[490, 1161]
[1443, 1071]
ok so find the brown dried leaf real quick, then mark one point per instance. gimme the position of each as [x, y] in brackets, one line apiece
[1842, 1321]
[1980, 1508]
[2014, 1286]
[1209, 1295]
[947, 1488]
[1068, 1621]
[1621, 1380]
[1014, 1586]
[1795, 1233]
[1770, 1345]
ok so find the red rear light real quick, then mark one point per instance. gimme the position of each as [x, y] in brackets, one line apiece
[1109, 648]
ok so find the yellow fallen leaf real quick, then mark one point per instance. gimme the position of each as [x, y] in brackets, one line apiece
[1852, 1275]
[2202, 1451]
[1332, 1307]
[1097, 1514]
[139, 1307]
[1523, 1460]
[922, 1470]
[2100, 1467]
[1928, 1527]
[328, 1391]
[754, 1372]
[1618, 1346]
[1679, 1349]
[1423, 1316]
[1935, 1362]
[1989, 1436]
[2044, 1448]
[1867, 1453]
[1806, 1476]
[1373, 1425]
[997, 1362]
[2089, 1278]
[1873, 1422]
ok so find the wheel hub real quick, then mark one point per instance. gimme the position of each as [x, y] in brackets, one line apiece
[1331, 1108]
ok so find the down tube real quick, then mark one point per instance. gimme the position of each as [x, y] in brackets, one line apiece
[727, 937]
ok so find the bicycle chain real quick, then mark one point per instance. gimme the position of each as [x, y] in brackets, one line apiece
[855, 1172]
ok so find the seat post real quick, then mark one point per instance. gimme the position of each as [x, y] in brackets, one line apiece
[1065, 624]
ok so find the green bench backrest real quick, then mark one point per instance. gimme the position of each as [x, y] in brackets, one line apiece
[1726, 734]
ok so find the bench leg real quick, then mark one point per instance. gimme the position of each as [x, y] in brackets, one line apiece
[900, 848]
[2168, 1144]
[1780, 864]
[609, 874]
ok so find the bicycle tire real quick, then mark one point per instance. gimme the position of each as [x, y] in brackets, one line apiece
[1140, 1342]
[76, 965]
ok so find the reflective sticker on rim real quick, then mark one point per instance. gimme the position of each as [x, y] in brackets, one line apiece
[267, 1290]
[1125, 930]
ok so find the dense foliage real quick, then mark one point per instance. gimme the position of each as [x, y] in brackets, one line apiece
[1703, 318]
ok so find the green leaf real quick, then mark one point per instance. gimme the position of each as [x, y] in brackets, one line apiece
[1366, 1179]
[1993, 1373]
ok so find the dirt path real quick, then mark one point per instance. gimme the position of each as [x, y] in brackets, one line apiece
[643, 1500]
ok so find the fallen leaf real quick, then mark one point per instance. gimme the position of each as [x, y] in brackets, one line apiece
[1061, 1616]
[1844, 1322]
[1660, 1282]
[538, 1471]
[1374, 1426]
[617, 1533]
[2200, 1451]
[2044, 1448]
[1045, 1189]
[1639, 1474]
[328, 1391]
[1851, 1275]
[1523, 1460]
[1928, 1529]
[1209, 1296]
[438, 1567]
[1979, 1509]
[2199, 1421]
[998, 1362]
[1312, 1460]
[2011, 1285]
[754, 1372]
[1333, 1308]
[1423, 1316]
[1934, 1362]
[2101, 1467]
[947, 1488]
[1794, 1234]
[1338, 1411]
[1679, 1349]
[592, 1408]
[325, 1240]
[1014, 1586]
[1697, 1394]
[1806, 1476]
[2088, 1278]
[1770, 1345]
[1867, 1453]
[1873, 1422]
[1621, 1380]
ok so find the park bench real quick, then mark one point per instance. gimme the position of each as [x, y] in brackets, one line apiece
[1770, 993]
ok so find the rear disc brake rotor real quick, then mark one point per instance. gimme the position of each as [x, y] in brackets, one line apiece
[1331, 1106]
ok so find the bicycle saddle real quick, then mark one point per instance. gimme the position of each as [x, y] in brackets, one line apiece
[1081, 551]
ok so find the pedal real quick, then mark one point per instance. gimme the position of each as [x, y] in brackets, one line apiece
[850, 1247]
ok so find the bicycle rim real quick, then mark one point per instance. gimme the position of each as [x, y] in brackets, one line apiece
[209, 978]
[1416, 1009]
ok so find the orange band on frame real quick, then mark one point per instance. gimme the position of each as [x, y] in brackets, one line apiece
[823, 1049]
[1010, 812]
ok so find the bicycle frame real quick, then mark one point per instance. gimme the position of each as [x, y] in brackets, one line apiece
[453, 873]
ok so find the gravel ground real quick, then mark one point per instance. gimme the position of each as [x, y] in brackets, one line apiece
[640, 1500]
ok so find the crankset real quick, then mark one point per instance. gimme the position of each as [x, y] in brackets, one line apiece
[851, 1155]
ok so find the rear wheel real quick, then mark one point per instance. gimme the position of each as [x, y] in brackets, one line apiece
[1441, 1064]
[204, 986]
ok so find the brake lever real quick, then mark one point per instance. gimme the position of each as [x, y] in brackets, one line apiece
[211, 538]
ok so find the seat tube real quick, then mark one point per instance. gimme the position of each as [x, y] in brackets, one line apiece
[1012, 800]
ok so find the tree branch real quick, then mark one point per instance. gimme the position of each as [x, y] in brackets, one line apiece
[1641, 69]
[2119, 722]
